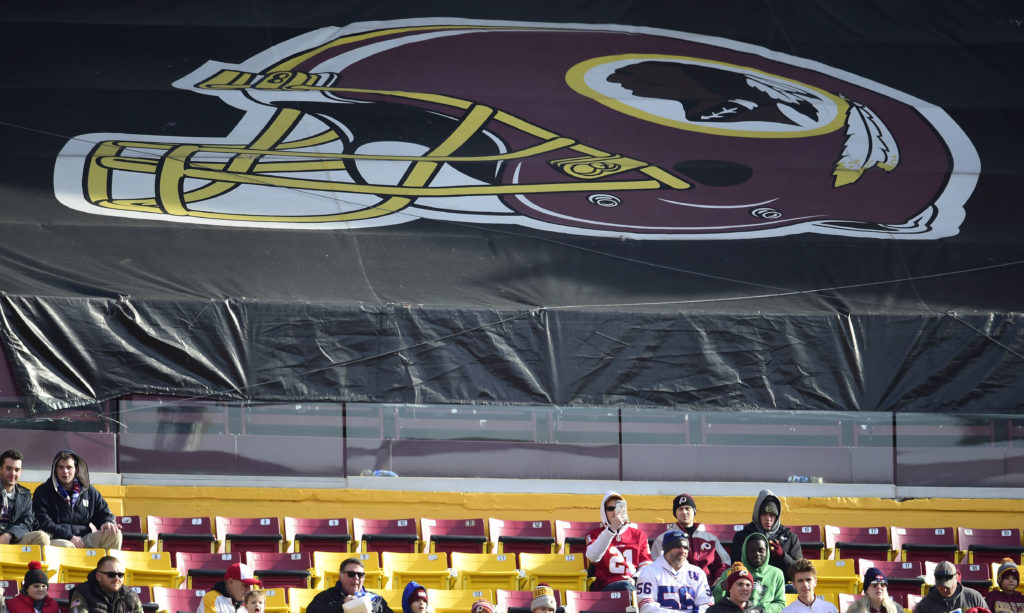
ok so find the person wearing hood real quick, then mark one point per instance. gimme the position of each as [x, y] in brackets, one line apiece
[769, 591]
[706, 551]
[414, 598]
[948, 594]
[33, 597]
[876, 595]
[349, 587]
[671, 583]
[739, 584]
[783, 546]
[70, 510]
[104, 591]
[618, 549]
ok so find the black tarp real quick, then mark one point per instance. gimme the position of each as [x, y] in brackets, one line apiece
[447, 308]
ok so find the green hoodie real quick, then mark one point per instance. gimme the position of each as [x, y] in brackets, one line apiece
[769, 585]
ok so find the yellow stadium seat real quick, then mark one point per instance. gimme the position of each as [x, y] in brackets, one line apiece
[275, 600]
[392, 597]
[790, 598]
[14, 560]
[326, 565]
[428, 569]
[152, 568]
[836, 576]
[455, 601]
[299, 597]
[73, 565]
[560, 571]
[490, 571]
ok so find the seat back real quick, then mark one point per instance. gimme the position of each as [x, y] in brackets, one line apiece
[381, 535]
[150, 568]
[245, 534]
[836, 576]
[298, 598]
[921, 544]
[327, 565]
[73, 565]
[853, 543]
[490, 571]
[455, 601]
[515, 536]
[428, 569]
[845, 600]
[132, 536]
[181, 534]
[726, 533]
[560, 571]
[275, 600]
[450, 535]
[570, 536]
[61, 592]
[9, 588]
[281, 570]
[306, 534]
[811, 542]
[988, 545]
[597, 602]
[203, 570]
[174, 600]
[14, 559]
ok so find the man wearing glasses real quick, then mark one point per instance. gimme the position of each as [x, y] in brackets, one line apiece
[104, 591]
[618, 549]
[348, 588]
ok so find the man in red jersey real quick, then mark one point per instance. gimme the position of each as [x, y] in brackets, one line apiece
[618, 549]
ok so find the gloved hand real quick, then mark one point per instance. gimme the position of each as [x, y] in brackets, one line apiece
[776, 549]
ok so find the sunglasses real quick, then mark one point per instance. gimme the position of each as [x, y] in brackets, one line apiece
[353, 574]
[111, 574]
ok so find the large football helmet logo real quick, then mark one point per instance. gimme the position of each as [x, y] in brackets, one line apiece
[607, 132]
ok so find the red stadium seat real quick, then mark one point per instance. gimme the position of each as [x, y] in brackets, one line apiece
[653, 529]
[518, 601]
[924, 544]
[845, 600]
[245, 534]
[317, 534]
[571, 535]
[448, 535]
[398, 535]
[281, 570]
[853, 543]
[810, 541]
[596, 602]
[985, 546]
[60, 592]
[203, 570]
[177, 600]
[181, 534]
[132, 536]
[513, 536]
[145, 597]
[725, 532]
[9, 588]
[903, 577]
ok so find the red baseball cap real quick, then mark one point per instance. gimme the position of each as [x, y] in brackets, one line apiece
[241, 572]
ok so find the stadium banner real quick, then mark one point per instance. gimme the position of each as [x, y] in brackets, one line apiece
[732, 207]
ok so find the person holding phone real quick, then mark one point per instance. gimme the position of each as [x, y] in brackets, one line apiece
[618, 549]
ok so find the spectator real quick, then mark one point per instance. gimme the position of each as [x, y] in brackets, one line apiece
[876, 595]
[481, 605]
[1004, 597]
[543, 599]
[104, 591]
[255, 601]
[706, 552]
[769, 592]
[805, 578]
[349, 587]
[618, 549]
[33, 597]
[16, 517]
[739, 584]
[783, 546]
[671, 583]
[228, 595]
[948, 594]
[69, 510]
[414, 598]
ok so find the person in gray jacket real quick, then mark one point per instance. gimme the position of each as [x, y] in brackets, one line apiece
[948, 594]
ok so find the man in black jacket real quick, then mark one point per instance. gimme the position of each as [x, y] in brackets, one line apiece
[72, 512]
[349, 587]
[16, 517]
[104, 591]
[783, 546]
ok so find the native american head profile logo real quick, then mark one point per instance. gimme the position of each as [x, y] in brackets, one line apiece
[601, 131]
